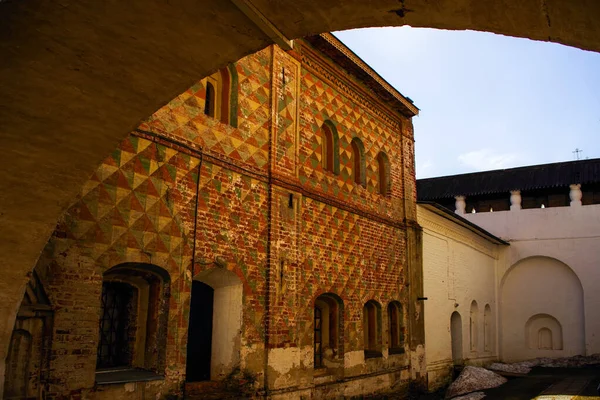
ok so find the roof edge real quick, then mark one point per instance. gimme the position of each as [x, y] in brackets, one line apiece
[448, 214]
[355, 59]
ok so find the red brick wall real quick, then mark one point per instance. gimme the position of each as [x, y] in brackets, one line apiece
[140, 206]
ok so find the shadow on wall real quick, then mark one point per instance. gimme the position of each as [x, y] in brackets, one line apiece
[542, 310]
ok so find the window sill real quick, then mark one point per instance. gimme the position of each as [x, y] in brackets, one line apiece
[373, 354]
[125, 375]
[397, 350]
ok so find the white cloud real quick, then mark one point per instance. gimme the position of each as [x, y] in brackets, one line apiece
[486, 159]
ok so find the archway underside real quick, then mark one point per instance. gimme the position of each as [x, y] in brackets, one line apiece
[78, 76]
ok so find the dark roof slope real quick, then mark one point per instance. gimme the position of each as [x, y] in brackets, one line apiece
[504, 180]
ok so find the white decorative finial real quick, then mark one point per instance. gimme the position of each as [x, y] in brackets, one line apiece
[460, 204]
[515, 200]
[575, 194]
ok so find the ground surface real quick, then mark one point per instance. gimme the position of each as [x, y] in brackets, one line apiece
[540, 384]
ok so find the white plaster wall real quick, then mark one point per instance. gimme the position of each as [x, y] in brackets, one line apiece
[227, 323]
[459, 266]
[568, 234]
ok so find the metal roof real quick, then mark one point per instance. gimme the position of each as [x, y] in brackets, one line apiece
[532, 177]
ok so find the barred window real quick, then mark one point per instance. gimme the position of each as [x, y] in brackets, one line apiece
[116, 324]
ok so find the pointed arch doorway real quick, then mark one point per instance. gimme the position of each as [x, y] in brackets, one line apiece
[214, 336]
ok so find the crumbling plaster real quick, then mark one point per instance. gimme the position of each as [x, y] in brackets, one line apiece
[78, 76]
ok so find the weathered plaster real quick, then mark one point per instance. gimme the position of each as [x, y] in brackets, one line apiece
[75, 83]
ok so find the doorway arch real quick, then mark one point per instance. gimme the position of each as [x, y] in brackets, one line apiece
[214, 335]
[456, 337]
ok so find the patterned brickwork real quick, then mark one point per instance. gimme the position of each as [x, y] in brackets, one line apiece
[288, 230]
[232, 223]
[286, 81]
[137, 207]
[183, 117]
[322, 100]
[410, 174]
[350, 256]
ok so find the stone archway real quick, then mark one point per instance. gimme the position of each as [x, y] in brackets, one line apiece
[214, 336]
[75, 82]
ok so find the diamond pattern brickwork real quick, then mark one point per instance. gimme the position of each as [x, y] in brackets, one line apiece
[338, 252]
[286, 76]
[137, 207]
[322, 100]
[154, 201]
[232, 223]
[183, 117]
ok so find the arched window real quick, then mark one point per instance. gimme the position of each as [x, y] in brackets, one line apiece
[330, 151]
[328, 331]
[372, 329]
[396, 326]
[358, 161]
[473, 325]
[487, 328]
[217, 102]
[210, 101]
[383, 173]
[133, 318]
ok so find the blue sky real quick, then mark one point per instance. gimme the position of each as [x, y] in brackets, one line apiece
[488, 101]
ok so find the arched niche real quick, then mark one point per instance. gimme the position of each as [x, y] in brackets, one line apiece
[216, 307]
[456, 338]
[487, 328]
[330, 156]
[543, 332]
[474, 326]
[541, 286]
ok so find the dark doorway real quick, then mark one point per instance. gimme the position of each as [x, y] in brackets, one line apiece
[200, 333]
[318, 338]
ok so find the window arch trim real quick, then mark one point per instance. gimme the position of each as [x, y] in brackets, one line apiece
[372, 329]
[331, 153]
[396, 327]
[358, 162]
[147, 308]
[330, 334]
[383, 174]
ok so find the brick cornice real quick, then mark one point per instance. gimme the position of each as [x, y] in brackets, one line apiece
[290, 183]
[315, 63]
[295, 186]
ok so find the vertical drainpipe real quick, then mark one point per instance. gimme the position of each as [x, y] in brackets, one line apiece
[194, 231]
[269, 216]
[415, 281]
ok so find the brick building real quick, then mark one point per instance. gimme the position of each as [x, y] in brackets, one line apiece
[261, 225]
